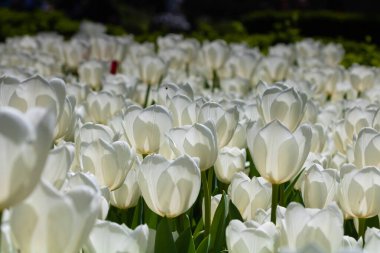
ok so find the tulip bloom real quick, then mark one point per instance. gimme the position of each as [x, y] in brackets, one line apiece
[197, 141]
[51, 221]
[25, 140]
[107, 236]
[229, 162]
[251, 237]
[169, 188]
[300, 226]
[359, 191]
[145, 128]
[283, 104]
[278, 153]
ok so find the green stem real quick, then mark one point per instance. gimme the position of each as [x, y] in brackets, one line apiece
[207, 201]
[223, 187]
[210, 179]
[281, 199]
[362, 228]
[275, 191]
[180, 223]
[147, 96]
[215, 81]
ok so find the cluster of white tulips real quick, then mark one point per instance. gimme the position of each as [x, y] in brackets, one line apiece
[110, 145]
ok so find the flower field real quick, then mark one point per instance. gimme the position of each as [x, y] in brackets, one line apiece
[181, 145]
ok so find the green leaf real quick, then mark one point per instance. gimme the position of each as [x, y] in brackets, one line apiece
[185, 242]
[204, 245]
[233, 212]
[372, 222]
[164, 238]
[290, 187]
[218, 226]
[198, 238]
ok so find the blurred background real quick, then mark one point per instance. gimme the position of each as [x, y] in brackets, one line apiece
[256, 22]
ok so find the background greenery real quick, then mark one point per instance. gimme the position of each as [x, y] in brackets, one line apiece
[260, 28]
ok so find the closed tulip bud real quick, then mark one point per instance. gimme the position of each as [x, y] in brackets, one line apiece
[128, 194]
[366, 148]
[145, 128]
[230, 161]
[278, 153]
[51, 221]
[332, 54]
[197, 141]
[251, 237]
[225, 121]
[91, 73]
[299, 228]
[151, 70]
[235, 85]
[169, 41]
[215, 53]
[307, 48]
[169, 188]
[285, 105]
[359, 191]
[362, 78]
[282, 50]
[168, 90]
[108, 236]
[102, 106]
[318, 139]
[25, 140]
[58, 164]
[319, 187]
[249, 195]
[110, 162]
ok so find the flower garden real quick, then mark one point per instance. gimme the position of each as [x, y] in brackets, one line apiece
[111, 143]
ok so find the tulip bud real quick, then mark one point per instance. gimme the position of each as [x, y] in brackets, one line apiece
[251, 237]
[362, 78]
[197, 141]
[271, 69]
[229, 162]
[249, 195]
[183, 109]
[359, 191]
[145, 128]
[25, 140]
[278, 154]
[169, 188]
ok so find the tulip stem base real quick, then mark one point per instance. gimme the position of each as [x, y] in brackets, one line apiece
[207, 201]
[147, 96]
[362, 228]
[275, 193]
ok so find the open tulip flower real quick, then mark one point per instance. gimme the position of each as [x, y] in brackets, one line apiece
[145, 128]
[278, 153]
[169, 188]
[25, 141]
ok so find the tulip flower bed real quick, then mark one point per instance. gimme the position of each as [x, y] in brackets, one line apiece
[111, 145]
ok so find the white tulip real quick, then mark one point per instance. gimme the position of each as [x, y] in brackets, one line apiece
[169, 188]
